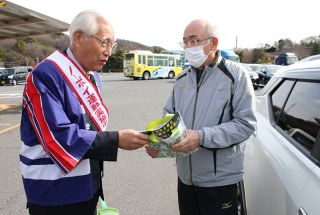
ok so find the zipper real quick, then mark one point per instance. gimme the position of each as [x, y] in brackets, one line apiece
[193, 119]
[195, 107]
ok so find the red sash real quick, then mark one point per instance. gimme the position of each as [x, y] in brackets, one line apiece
[86, 93]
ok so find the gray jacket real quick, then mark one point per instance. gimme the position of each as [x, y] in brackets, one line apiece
[223, 127]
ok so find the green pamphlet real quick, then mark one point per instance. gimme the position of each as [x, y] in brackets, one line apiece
[165, 132]
[105, 210]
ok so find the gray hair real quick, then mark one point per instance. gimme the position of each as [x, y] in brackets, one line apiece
[210, 30]
[87, 22]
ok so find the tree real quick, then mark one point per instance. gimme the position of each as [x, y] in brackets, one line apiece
[157, 49]
[2, 54]
[259, 56]
[29, 40]
[240, 53]
[269, 49]
[284, 44]
[115, 62]
[315, 48]
[20, 44]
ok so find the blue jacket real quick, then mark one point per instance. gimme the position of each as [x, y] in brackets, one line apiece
[55, 142]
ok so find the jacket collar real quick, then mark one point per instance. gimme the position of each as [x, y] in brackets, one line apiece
[207, 72]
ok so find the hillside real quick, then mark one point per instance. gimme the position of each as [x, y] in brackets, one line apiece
[30, 50]
[128, 45]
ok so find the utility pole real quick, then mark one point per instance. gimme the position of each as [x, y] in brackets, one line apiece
[236, 42]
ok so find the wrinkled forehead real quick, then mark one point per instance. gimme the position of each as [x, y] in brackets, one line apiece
[193, 31]
[105, 30]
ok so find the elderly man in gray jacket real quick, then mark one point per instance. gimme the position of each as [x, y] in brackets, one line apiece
[215, 98]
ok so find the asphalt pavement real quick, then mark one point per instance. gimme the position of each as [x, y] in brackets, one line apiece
[135, 184]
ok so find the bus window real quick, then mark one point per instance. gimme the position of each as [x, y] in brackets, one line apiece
[150, 60]
[171, 61]
[143, 59]
[160, 61]
[129, 56]
[178, 63]
[139, 59]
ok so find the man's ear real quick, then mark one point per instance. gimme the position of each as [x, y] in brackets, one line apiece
[77, 37]
[215, 42]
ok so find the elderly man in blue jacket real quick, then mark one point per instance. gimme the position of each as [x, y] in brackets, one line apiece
[64, 139]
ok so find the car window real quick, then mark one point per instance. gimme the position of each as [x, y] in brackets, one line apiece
[300, 117]
[10, 71]
[21, 72]
[273, 69]
[279, 97]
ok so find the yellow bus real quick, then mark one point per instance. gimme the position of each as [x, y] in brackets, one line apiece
[145, 64]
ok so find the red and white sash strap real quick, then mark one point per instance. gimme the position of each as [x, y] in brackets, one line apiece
[83, 88]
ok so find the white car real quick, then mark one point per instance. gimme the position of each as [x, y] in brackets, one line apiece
[310, 58]
[282, 168]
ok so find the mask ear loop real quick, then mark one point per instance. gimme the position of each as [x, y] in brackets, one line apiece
[215, 47]
[211, 49]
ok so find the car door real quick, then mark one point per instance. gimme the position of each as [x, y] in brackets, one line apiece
[307, 202]
[307, 121]
[21, 75]
[278, 165]
[17, 75]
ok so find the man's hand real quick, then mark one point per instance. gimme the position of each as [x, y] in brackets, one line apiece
[152, 152]
[131, 139]
[189, 143]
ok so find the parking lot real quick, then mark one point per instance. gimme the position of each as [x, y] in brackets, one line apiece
[135, 184]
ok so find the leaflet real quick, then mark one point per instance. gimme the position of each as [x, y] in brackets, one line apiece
[165, 132]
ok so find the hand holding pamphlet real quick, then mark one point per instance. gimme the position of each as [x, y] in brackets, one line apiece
[165, 132]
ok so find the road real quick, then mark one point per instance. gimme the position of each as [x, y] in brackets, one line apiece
[135, 184]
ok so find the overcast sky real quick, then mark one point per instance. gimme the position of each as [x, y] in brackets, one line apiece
[162, 22]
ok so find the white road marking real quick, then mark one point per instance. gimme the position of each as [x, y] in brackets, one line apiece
[8, 95]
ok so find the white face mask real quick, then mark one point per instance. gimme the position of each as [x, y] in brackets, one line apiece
[196, 56]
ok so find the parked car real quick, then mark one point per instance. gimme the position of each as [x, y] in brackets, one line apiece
[253, 66]
[286, 59]
[282, 161]
[310, 58]
[14, 75]
[266, 71]
[253, 76]
[4, 74]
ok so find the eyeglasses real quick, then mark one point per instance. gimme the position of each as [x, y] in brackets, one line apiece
[193, 42]
[105, 43]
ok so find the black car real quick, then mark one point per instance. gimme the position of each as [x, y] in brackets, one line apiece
[266, 71]
[253, 76]
[14, 75]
